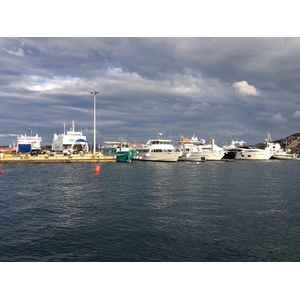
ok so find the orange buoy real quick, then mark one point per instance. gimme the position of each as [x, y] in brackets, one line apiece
[0, 171]
[97, 169]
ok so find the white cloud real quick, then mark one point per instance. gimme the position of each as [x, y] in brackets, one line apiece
[48, 85]
[296, 114]
[16, 52]
[244, 89]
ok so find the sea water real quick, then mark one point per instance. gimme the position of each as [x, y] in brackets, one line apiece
[221, 211]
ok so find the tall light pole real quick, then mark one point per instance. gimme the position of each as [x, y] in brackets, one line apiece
[95, 93]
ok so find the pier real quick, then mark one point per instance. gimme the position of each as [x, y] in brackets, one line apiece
[58, 158]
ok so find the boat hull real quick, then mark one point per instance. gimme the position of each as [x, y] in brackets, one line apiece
[125, 156]
[285, 157]
[253, 155]
[156, 156]
[202, 156]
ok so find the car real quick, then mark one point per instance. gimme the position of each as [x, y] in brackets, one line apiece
[35, 152]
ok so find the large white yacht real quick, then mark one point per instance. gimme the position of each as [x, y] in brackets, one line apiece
[157, 150]
[252, 153]
[70, 141]
[197, 150]
[234, 147]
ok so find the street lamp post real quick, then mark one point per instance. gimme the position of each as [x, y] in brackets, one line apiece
[95, 93]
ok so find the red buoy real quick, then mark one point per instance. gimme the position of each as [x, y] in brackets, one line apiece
[0, 170]
[97, 169]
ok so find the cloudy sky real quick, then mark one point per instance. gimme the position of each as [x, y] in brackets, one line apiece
[222, 87]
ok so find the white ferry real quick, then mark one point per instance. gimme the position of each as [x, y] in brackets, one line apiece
[26, 144]
[157, 150]
[70, 141]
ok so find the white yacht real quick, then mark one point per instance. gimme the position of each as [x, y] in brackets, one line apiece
[70, 141]
[27, 143]
[232, 149]
[285, 154]
[157, 150]
[251, 153]
[196, 150]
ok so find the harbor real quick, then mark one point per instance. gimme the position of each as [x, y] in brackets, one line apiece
[72, 147]
[148, 161]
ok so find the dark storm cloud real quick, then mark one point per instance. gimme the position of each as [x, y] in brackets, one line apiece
[212, 87]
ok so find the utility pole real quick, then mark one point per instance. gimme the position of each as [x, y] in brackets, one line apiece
[95, 93]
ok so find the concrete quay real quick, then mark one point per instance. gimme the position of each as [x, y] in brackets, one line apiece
[45, 158]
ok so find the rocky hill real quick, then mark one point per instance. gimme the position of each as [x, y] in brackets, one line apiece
[290, 142]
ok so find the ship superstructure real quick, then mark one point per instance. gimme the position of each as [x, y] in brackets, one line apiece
[27, 143]
[70, 141]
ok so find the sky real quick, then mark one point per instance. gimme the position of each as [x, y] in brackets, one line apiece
[226, 88]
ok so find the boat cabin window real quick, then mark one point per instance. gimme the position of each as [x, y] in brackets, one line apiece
[159, 142]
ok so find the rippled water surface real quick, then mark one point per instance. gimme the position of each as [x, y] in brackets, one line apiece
[212, 211]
